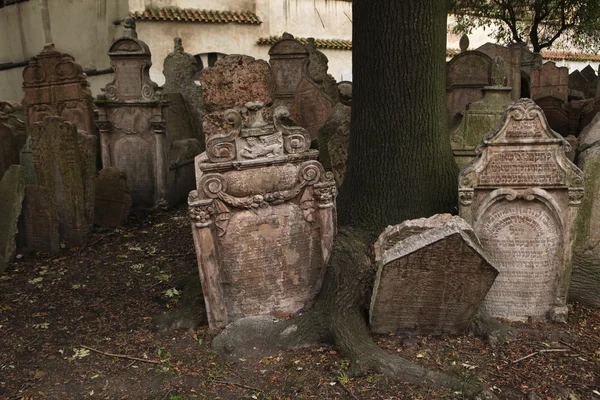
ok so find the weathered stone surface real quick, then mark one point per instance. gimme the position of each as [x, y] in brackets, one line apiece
[65, 164]
[259, 187]
[113, 198]
[579, 83]
[316, 93]
[38, 226]
[521, 195]
[467, 73]
[179, 69]
[550, 81]
[334, 138]
[556, 112]
[512, 56]
[481, 116]
[12, 188]
[287, 59]
[55, 85]
[235, 80]
[143, 133]
[12, 134]
[432, 277]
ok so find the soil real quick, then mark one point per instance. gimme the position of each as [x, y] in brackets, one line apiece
[83, 324]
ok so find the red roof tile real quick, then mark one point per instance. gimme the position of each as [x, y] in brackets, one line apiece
[193, 15]
[336, 44]
[558, 55]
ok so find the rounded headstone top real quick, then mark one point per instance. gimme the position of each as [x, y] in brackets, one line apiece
[464, 43]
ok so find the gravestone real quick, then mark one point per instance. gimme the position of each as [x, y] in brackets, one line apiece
[262, 218]
[113, 198]
[65, 163]
[287, 58]
[316, 93]
[13, 134]
[466, 74]
[179, 69]
[550, 81]
[39, 222]
[55, 85]
[432, 277]
[12, 187]
[579, 84]
[481, 116]
[146, 135]
[512, 56]
[521, 195]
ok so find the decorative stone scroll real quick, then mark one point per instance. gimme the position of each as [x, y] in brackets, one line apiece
[521, 195]
[136, 134]
[263, 218]
[432, 276]
[287, 59]
[55, 85]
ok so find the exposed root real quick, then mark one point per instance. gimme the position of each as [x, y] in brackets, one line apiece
[490, 329]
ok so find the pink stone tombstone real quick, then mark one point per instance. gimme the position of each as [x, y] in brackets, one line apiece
[287, 59]
[263, 218]
[550, 81]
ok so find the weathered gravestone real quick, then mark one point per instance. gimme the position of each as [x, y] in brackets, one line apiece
[466, 74]
[39, 222]
[550, 90]
[432, 277]
[521, 195]
[585, 280]
[113, 198]
[13, 134]
[137, 134]
[12, 187]
[65, 165]
[262, 217]
[512, 56]
[316, 93]
[55, 85]
[481, 116]
[579, 87]
[179, 69]
[287, 58]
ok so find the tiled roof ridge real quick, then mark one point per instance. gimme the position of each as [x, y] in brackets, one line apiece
[336, 44]
[178, 14]
[569, 55]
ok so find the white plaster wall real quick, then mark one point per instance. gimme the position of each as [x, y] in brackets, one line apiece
[10, 84]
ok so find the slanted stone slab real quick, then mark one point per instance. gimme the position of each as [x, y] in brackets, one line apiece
[521, 195]
[262, 218]
[12, 189]
[113, 198]
[431, 280]
[13, 134]
[550, 81]
[38, 226]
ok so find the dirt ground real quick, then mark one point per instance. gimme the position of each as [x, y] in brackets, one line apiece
[82, 325]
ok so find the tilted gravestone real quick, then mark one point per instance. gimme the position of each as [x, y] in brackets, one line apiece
[13, 134]
[287, 58]
[137, 135]
[55, 85]
[262, 218]
[482, 115]
[179, 69]
[432, 277]
[113, 198]
[580, 86]
[65, 165]
[39, 222]
[12, 188]
[521, 195]
[316, 93]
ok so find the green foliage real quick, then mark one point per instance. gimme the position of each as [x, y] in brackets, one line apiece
[538, 23]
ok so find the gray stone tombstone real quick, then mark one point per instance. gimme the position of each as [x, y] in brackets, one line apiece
[579, 87]
[287, 58]
[65, 165]
[263, 218]
[139, 132]
[39, 222]
[13, 134]
[432, 277]
[512, 56]
[521, 195]
[113, 198]
[12, 189]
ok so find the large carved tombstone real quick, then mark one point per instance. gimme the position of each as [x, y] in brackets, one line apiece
[135, 135]
[55, 85]
[466, 74]
[13, 134]
[521, 195]
[512, 56]
[263, 218]
[64, 160]
[287, 59]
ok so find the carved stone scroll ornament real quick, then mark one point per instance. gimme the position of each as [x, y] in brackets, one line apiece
[221, 148]
[295, 139]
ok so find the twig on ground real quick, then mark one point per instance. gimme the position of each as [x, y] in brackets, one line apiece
[122, 356]
[525, 358]
[539, 352]
[236, 384]
[348, 390]
[570, 346]
[552, 350]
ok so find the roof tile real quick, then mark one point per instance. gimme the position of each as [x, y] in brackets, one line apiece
[194, 15]
[336, 44]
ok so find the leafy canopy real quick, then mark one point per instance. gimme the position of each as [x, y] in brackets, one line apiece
[538, 23]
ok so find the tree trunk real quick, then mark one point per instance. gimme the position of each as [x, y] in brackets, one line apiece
[400, 163]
